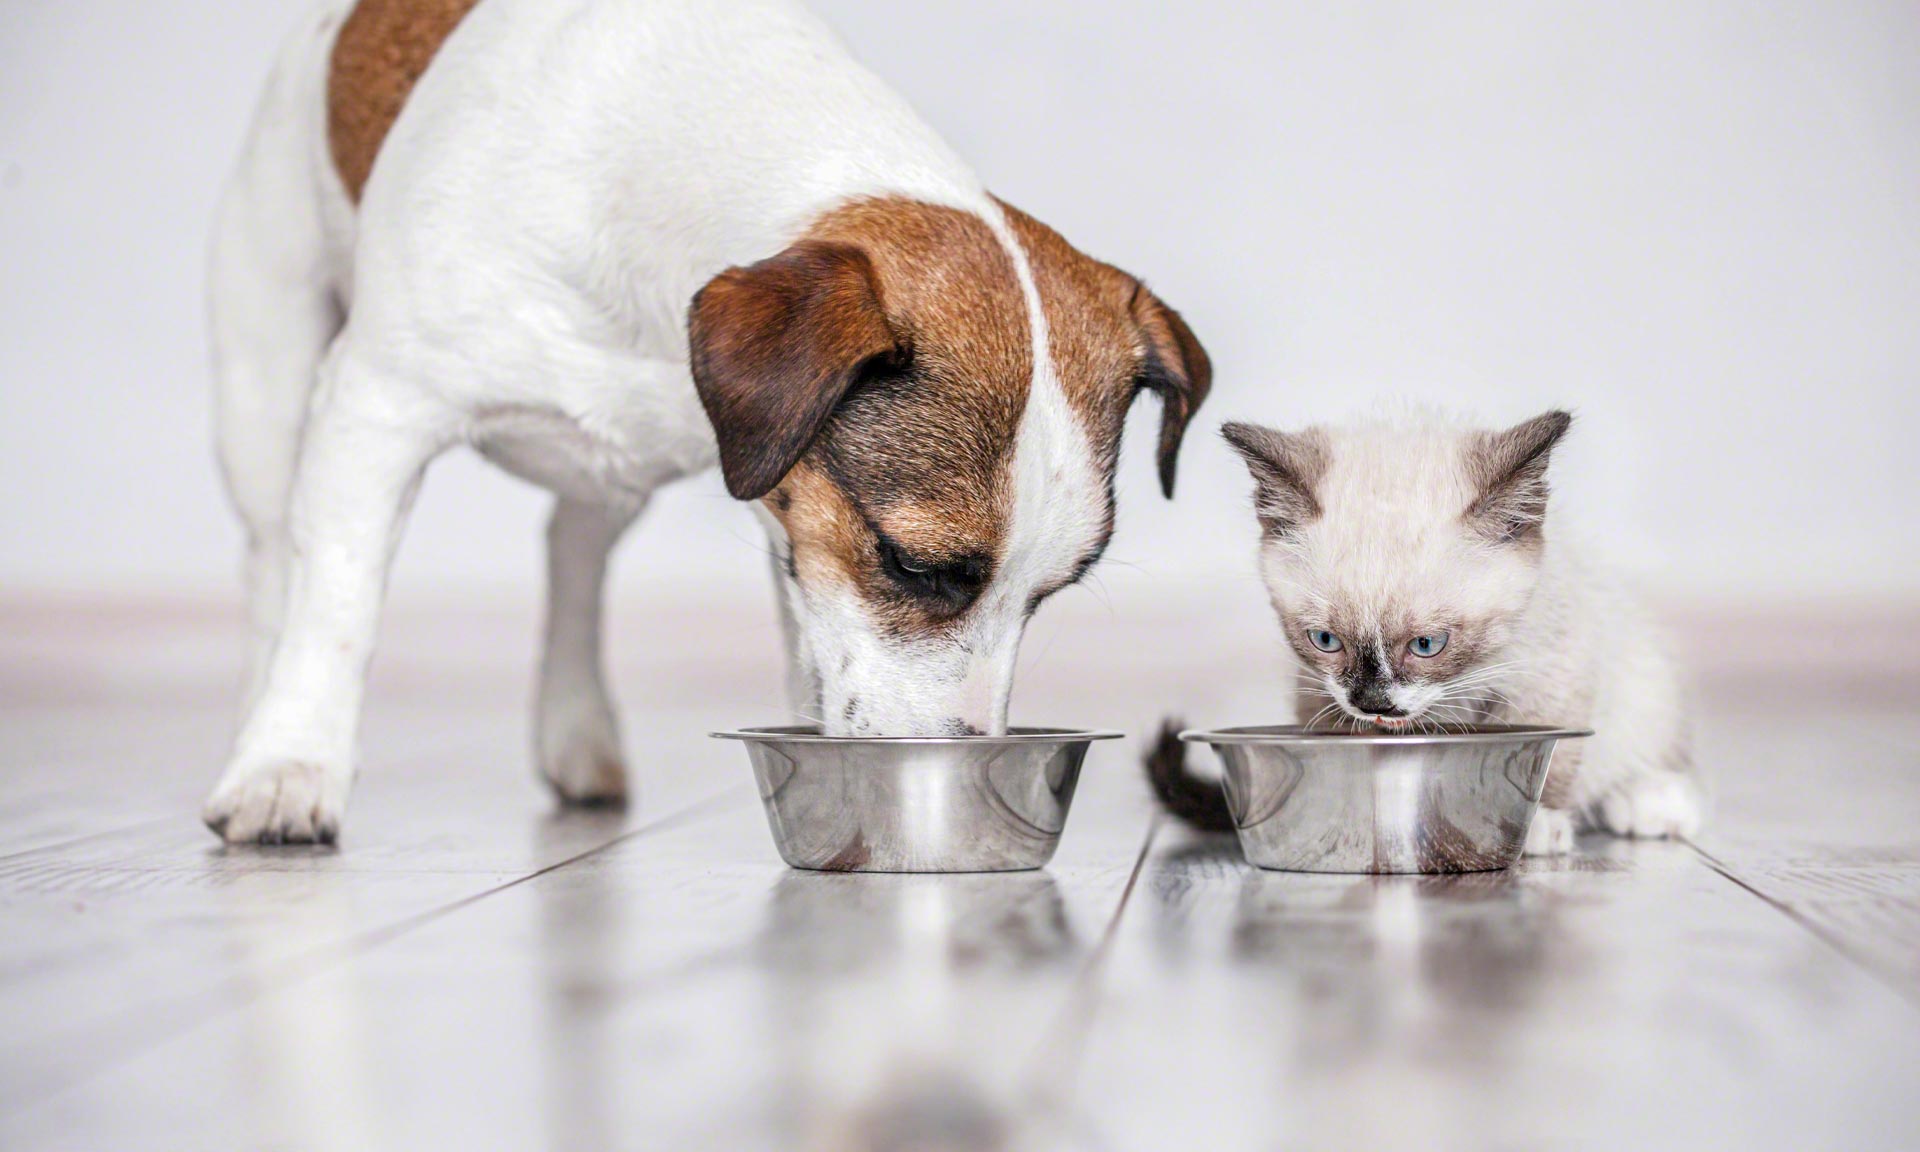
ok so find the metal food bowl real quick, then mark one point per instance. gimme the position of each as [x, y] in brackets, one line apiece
[916, 803]
[1315, 801]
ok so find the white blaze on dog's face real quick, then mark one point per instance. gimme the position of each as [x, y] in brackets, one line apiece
[929, 404]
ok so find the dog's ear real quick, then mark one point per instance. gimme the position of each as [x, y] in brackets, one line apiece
[1176, 369]
[1509, 469]
[775, 347]
[1286, 467]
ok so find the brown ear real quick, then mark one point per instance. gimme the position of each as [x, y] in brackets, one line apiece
[1176, 368]
[1286, 467]
[1510, 470]
[775, 346]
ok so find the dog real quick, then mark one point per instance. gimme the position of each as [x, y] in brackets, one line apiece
[608, 244]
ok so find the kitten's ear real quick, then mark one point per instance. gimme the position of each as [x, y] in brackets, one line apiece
[1286, 467]
[1509, 470]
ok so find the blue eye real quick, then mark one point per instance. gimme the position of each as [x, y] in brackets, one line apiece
[1325, 640]
[1428, 645]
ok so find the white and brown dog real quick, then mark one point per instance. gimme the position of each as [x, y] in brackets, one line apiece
[605, 242]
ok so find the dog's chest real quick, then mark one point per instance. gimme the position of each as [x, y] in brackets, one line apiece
[614, 459]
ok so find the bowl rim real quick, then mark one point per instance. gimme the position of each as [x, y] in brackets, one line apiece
[1296, 734]
[811, 734]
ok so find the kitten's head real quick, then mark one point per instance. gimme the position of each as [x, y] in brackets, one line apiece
[1400, 557]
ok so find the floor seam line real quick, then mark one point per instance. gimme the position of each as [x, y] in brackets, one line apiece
[1893, 980]
[374, 937]
[1065, 1043]
[299, 969]
[409, 761]
[103, 834]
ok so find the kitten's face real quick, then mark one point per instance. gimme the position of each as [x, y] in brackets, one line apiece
[1400, 559]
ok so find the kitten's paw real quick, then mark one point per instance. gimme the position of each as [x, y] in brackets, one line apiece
[1551, 833]
[579, 750]
[1650, 806]
[284, 802]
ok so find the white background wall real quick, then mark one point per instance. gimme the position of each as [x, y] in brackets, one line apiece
[1697, 223]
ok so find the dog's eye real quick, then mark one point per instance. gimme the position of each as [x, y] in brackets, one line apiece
[950, 585]
[1325, 640]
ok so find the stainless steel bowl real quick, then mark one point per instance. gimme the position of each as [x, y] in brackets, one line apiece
[1307, 801]
[916, 803]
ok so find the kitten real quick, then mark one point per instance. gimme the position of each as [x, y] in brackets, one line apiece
[1418, 588]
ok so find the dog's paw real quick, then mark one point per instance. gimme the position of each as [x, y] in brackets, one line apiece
[1551, 833]
[286, 802]
[579, 750]
[1650, 806]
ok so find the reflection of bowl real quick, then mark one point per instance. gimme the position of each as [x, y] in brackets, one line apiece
[916, 803]
[1307, 801]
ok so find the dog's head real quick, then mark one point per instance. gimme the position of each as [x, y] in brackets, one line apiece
[934, 458]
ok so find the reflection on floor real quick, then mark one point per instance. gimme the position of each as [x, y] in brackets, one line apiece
[471, 968]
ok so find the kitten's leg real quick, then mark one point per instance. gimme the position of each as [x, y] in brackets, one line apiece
[1551, 833]
[1649, 805]
[1641, 784]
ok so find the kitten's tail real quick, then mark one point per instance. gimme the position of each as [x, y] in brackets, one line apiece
[1194, 799]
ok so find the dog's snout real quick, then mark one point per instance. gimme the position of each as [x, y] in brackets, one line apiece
[857, 718]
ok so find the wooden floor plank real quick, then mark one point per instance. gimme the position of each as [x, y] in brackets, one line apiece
[1628, 998]
[117, 941]
[472, 969]
[1820, 820]
[685, 985]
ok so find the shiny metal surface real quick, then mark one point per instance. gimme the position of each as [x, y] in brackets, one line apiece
[916, 804]
[1308, 801]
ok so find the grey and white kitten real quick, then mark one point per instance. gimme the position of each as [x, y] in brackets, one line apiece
[1418, 587]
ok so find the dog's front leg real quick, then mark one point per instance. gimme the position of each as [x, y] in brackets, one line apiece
[576, 738]
[360, 465]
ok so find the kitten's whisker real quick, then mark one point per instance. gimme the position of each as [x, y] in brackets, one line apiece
[1472, 710]
[1474, 702]
[1491, 672]
[1315, 718]
[1497, 666]
[1471, 681]
[1446, 710]
[1482, 693]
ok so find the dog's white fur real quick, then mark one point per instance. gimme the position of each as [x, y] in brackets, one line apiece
[1566, 643]
[516, 277]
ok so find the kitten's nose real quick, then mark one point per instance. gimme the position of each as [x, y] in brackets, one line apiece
[1374, 701]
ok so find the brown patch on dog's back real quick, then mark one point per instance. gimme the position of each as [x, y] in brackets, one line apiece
[384, 48]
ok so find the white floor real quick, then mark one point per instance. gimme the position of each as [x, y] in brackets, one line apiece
[472, 969]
